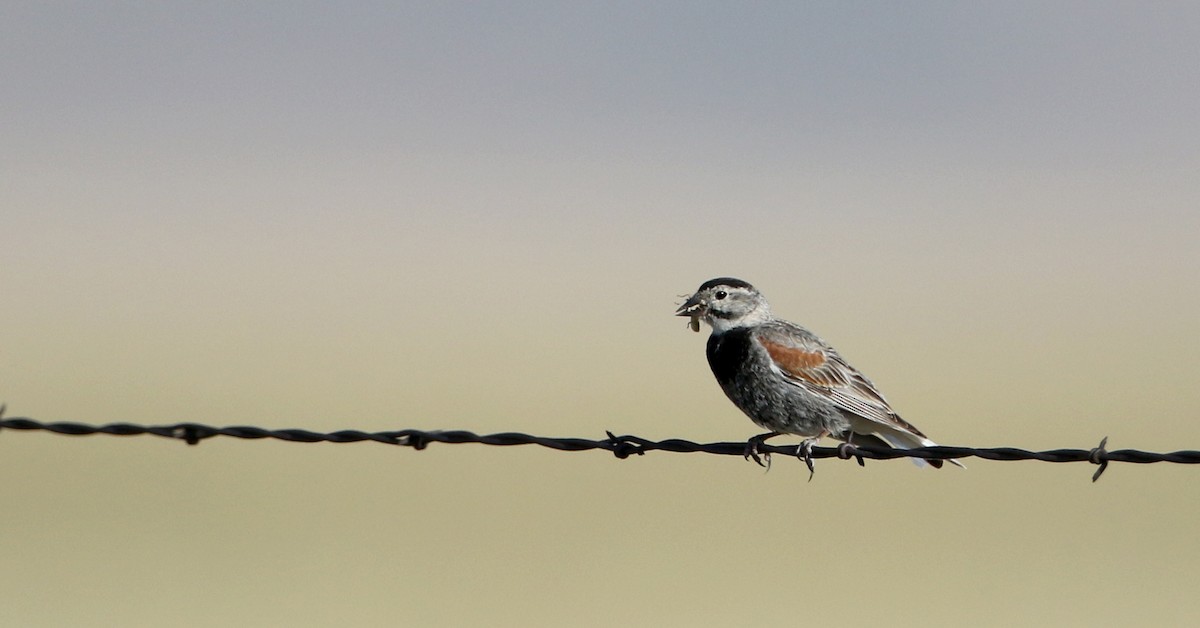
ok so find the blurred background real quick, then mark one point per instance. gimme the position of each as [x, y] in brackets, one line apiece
[481, 216]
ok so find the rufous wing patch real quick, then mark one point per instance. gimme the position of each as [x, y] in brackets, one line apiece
[801, 363]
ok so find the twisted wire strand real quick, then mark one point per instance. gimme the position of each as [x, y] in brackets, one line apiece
[621, 446]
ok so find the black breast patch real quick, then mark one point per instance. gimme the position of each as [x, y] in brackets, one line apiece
[729, 353]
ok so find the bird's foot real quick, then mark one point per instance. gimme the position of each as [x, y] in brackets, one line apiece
[752, 446]
[804, 452]
[846, 451]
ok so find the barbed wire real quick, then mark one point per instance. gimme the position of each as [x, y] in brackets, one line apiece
[621, 446]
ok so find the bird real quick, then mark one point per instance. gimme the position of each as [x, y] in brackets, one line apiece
[790, 381]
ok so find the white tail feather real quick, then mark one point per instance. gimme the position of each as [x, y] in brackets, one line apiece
[905, 440]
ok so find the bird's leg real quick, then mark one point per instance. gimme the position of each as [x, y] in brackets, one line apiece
[752, 446]
[804, 452]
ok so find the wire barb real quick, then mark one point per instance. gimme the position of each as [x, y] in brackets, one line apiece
[620, 446]
[623, 446]
[1099, 456]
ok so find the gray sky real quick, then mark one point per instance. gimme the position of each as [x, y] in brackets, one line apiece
[1087, 84]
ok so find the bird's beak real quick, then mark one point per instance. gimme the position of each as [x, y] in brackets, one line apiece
[693, 308]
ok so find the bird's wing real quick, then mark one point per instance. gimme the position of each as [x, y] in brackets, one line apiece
[806, 361]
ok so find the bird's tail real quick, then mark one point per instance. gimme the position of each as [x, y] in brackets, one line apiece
[904, 440]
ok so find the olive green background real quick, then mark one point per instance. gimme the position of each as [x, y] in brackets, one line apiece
[482, 216]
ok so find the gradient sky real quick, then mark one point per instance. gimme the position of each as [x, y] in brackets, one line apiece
[481, 216]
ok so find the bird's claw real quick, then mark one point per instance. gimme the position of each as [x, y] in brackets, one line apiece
[804, 452]
[752, 453]
[846, 451]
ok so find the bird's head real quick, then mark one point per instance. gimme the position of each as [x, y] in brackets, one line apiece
[725, 303]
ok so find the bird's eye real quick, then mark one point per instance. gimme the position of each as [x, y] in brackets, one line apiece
[721, 294]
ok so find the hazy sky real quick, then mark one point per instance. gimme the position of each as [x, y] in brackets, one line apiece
[481, 216]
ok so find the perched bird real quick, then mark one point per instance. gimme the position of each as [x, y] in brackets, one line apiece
[788, 380]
